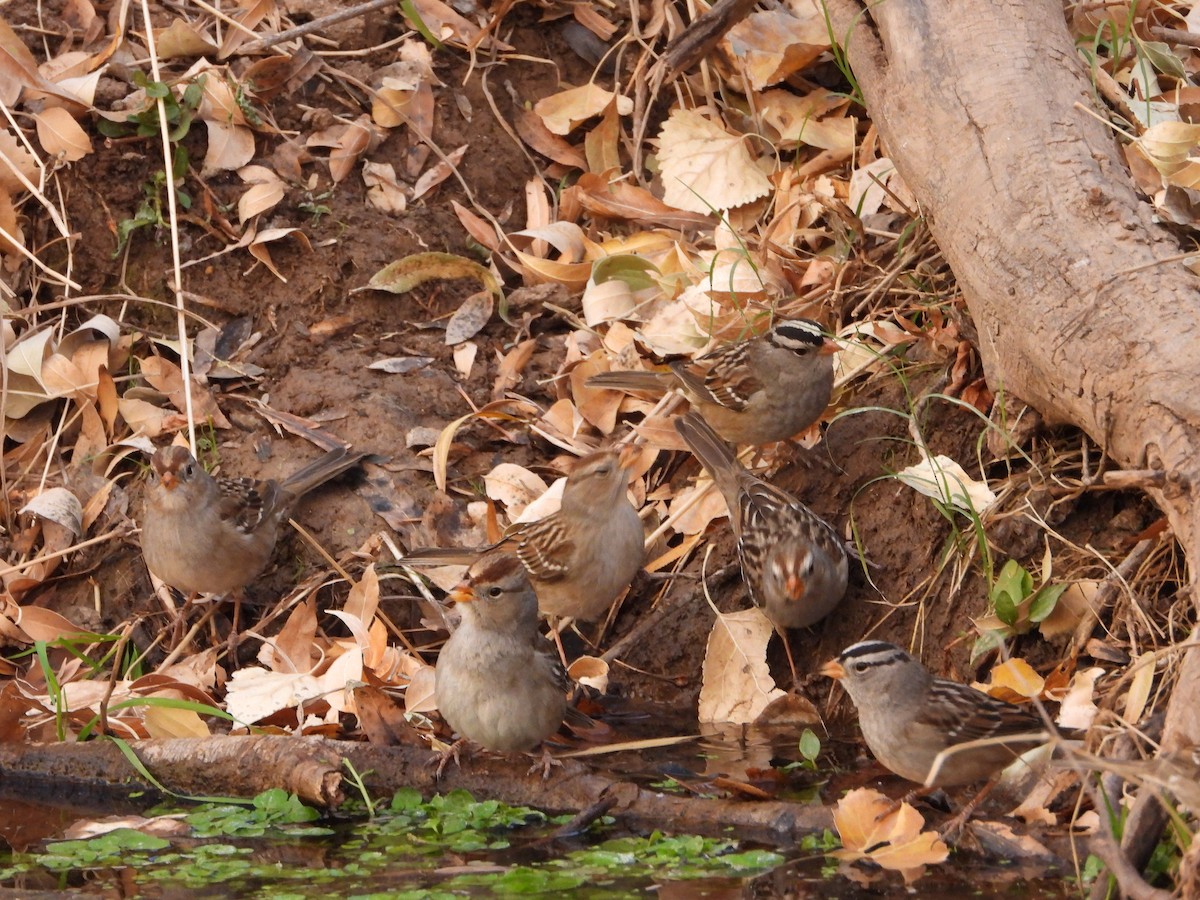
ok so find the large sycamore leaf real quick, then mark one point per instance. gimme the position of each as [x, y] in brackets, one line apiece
[737, 683]
[705, 167]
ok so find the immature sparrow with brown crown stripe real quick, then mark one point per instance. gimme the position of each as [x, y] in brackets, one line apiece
[495, 685]
[908, 717]
[207, 535]
[756, 391]
[581, 557]
[793, 563]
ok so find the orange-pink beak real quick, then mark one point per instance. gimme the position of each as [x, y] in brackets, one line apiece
[828, 348]
[794, 587]
[464, 593]
[168, 480]
[833, 669]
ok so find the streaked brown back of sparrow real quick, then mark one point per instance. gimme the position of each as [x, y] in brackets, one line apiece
[494, 683]
[209, 535]
[793, 563]
[581, 557]
[908, 717]
[756, 391]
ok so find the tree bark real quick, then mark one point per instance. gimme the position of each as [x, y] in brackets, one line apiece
[987, 110]
[313, 768]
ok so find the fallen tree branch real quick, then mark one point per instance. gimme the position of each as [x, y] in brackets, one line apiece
[312, 768]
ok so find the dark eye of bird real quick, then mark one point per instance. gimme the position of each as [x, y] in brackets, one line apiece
[494, 591]
[859, 667]
[187, 471]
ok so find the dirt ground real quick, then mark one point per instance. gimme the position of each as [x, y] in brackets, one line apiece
[318, 336]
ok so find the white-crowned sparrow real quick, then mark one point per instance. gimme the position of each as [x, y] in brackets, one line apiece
[494, 684]
[908, 717]
[582, 556]
[793, 563]
[755, 391]
[206, 535]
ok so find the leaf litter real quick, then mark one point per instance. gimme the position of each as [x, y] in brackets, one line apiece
[786, 207]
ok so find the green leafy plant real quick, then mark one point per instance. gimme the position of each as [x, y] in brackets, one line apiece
[180, 111]
[119, 847]
[150, 211]
[809, 749]
[1018, 605]
[271, 809]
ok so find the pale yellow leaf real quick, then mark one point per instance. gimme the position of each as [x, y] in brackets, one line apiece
[705, 167]
[363, 599]
[1139, 686]
[229, 147]
[181, 39]
[384, 191]
[464, 357]
[942, 478]
[514, 486]
[60, 135]
[167, 722]
[737, 683]
[438, 173]
[1013, 679]
[1078, 707]
[420, 695]
[253, 693]
[260, 198]
[1168, 144]
[561, 112]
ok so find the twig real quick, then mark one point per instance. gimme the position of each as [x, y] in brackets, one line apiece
[164, 128]
[353, 12]
[1104, 845]
[1106, 593]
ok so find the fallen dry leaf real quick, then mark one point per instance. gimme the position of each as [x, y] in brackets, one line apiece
[706, 167]
[470, 317]
[772, 44]
[1078, 707]
[737, 684]
[61, 136]
[561, 112]
[894, 841]
[1013, 680]
[943, 479]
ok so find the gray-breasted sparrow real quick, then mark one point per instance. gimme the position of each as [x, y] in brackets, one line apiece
[763, 389]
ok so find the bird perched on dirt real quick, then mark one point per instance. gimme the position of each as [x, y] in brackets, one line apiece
[756, 391]
[909, 718]
[581, 557]
[793, 563]
[207, 535]
[494, 684]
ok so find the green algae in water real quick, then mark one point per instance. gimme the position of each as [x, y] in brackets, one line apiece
[275, 847]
